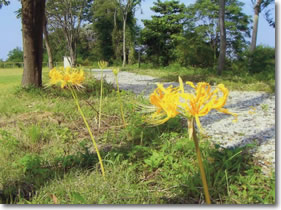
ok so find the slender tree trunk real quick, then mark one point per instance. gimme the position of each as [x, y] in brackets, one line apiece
[72, 52]
[115, 36]
[32, 33]
[71, 46]
[124, 39]
[222, 37]
[71, 28]
[115, 18]
[214, 47]
[216, 40]
[139, 58]
[48, 48]
[257, 9]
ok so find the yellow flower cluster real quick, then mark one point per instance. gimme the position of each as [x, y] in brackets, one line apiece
[163, 99]
[169, 102]
[204, 99]
[66, 77]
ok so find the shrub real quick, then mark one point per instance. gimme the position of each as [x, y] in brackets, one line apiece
[261, 60]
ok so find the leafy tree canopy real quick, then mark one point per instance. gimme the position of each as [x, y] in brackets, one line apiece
[163, 30]
[203, 17]
[15, 55]
[4, 2]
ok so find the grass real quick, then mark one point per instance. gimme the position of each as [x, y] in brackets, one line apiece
[233, 79]
[47, 157]
[9, 78]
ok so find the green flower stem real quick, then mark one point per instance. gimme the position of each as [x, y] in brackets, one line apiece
[88, 127]
[120, 102]
[201, 167]
[101, 90]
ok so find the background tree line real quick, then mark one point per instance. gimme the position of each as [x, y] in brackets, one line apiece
[188, 35]
[206, 34]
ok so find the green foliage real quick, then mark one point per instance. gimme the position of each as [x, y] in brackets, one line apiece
[203, 17]
[103, 25]
[264, 107]
[156, 159]
[85, 46]
[162, 32]
[193, 51]
[268, 14]
[235, 77]
[30, 163]
[107, 24]
[4, 2]
[189, 35]
[34, 133]
[261, 60]
[58, 45]
[15, 55]
[99, 39]
[8, 141]
[67, 17]
[268, 6]
[177, 34]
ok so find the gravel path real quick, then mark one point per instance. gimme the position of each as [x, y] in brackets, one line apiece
[256, 121]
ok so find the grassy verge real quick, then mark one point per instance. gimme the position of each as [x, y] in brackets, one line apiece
[234, 80]
[47, 157]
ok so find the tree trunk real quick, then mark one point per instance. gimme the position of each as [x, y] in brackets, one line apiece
[48, 48]
[115, 18]
[32, 33]
[124, 40]
[71, 46]
[72, 52]
[257, 9]
[222, 37]
[115, 37]
[139, 58]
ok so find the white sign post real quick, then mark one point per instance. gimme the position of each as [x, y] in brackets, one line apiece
[66, 61]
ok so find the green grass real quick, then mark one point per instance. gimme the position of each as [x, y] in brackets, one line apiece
[233, 79]
[47, 157]
[9, 78]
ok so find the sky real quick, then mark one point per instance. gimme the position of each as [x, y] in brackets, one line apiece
[11, 37]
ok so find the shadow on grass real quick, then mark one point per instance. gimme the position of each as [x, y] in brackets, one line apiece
[36, 172]
[177, 182]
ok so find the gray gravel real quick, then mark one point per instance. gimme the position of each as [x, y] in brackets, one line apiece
[256, 121]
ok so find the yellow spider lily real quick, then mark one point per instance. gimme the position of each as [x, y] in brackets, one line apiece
[164, 105]
[66, 77]
[204, 99]
[71, 78]
[198, 104]
[76, 78]
[169, 102]
[55, 77]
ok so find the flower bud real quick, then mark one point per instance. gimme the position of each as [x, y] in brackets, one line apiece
[115, 71]
[102, 64]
